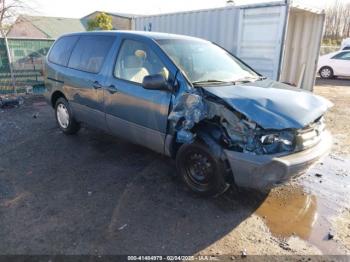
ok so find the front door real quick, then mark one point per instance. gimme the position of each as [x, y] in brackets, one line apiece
[133, 112]
[342, 64]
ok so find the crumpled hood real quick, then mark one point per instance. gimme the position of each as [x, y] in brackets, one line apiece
[271, 104]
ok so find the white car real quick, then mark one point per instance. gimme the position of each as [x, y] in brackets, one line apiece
[334, 64]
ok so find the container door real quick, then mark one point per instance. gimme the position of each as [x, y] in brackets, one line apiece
[260, 38]
[302, 45]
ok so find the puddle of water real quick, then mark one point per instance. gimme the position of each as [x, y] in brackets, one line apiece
[293, 213]
[306, 208]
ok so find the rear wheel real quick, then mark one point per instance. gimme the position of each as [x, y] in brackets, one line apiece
[326, 72]
[200, 169]
[64, 117]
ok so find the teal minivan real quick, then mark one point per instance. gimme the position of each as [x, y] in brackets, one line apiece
[191, 100]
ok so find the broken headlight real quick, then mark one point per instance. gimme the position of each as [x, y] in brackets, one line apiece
[277, 142]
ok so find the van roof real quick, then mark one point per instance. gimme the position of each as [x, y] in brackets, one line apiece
[147, 34]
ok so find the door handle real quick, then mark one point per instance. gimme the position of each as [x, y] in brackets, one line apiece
[112, 89]
[96, 85]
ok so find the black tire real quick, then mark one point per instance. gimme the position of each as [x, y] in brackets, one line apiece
[70, 126]
[201, 170]
[326, 72]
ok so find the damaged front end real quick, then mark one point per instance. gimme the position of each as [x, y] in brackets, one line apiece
[243, 135]
[237, 132]
[259, 157]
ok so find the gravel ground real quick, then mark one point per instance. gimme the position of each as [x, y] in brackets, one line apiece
[338, 117]
[96, 194]
[338, 122]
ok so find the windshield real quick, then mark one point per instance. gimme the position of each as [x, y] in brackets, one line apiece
[203, 61]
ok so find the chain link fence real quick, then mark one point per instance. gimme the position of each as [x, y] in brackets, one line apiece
[27, 56]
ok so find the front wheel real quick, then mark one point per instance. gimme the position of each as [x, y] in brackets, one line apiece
[64, 117]
[200, 169]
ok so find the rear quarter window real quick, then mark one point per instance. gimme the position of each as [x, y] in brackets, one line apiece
[90, 52]
[62, 49]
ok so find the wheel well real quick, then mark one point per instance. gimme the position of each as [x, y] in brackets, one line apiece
[205, 131]
[326, 66]
[208, 133]
[56, 95]
[174, 148]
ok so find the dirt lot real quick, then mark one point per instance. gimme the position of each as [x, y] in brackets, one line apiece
[96, 194]
[337, 91]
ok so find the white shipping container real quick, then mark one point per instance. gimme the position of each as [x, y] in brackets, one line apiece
[279, 39]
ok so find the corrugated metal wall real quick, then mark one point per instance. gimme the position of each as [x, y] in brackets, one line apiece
[27, 62]
[216, 25]
[255, 33]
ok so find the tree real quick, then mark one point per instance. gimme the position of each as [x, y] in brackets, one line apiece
[337, 24]
[102, 21]
[9, 10]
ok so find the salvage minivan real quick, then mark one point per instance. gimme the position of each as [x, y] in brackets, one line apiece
[189, 99]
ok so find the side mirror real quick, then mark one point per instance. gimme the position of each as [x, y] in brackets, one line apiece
[156, 82]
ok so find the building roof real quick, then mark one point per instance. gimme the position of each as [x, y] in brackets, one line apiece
[54, 27]
[124, 15]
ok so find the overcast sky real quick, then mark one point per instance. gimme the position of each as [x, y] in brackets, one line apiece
[79, 8]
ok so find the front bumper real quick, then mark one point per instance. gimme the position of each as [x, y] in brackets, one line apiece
[266, 171]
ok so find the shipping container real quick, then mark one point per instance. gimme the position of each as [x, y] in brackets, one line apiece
[280, 40]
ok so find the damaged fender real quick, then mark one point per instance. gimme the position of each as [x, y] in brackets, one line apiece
[258, 118]
[258, 128]
[188, 110]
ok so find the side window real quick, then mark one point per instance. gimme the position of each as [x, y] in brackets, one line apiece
[346, 56]
[90, 52]
[342, 56]
[136, 60]
[62, 49]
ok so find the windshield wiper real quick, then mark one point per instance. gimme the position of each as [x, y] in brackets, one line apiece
[244, 80]
[209, 81]
[249, 79]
